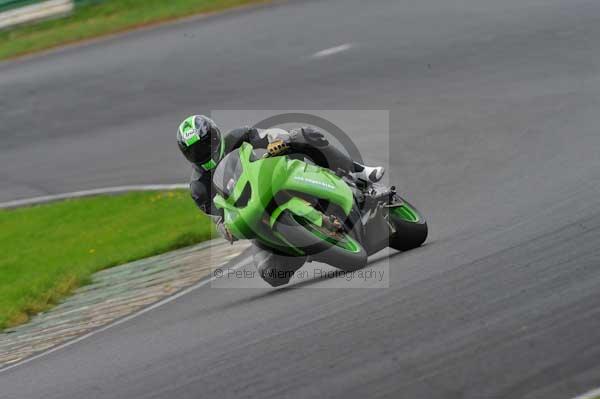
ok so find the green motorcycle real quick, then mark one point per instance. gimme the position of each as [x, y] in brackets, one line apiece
[296, 208]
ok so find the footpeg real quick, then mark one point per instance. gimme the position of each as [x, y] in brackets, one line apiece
[332, 223]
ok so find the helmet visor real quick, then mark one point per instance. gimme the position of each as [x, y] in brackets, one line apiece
[201, 151]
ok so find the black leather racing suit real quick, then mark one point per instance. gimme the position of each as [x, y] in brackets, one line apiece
[305, 141]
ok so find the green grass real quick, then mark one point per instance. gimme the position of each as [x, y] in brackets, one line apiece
[47, 251]
[103, 18]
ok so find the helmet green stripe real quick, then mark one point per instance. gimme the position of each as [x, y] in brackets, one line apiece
[209, 165]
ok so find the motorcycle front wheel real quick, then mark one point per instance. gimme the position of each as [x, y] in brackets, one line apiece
[339, 249]
[411, 227]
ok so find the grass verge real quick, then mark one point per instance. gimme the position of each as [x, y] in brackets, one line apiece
[49, 250]
[109, 16]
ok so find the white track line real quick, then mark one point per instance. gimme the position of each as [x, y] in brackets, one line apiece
[332, 50]
[87, 193]
[107, 190]
[118, 322]
[589, 395]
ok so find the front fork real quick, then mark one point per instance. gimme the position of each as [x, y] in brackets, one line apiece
[375, 218]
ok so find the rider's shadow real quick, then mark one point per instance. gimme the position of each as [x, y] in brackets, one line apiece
[304, 283]
[328, 276]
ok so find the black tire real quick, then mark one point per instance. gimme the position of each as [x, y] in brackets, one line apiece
[345, 253]
[411, 228]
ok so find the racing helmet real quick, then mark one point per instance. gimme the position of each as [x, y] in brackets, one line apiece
[200, 141]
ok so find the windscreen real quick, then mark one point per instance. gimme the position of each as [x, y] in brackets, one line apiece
[227, 173]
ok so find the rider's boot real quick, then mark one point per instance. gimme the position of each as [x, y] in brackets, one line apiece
[368, 174]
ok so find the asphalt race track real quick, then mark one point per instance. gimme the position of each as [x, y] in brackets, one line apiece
[495, 135]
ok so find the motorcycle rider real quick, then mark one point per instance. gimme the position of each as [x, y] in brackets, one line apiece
[201, 142]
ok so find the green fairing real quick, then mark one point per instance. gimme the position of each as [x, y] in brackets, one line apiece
[267, 177]
[318, 182]
[300, 208]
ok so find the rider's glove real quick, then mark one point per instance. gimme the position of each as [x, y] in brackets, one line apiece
[277, 147]
[224, 231]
